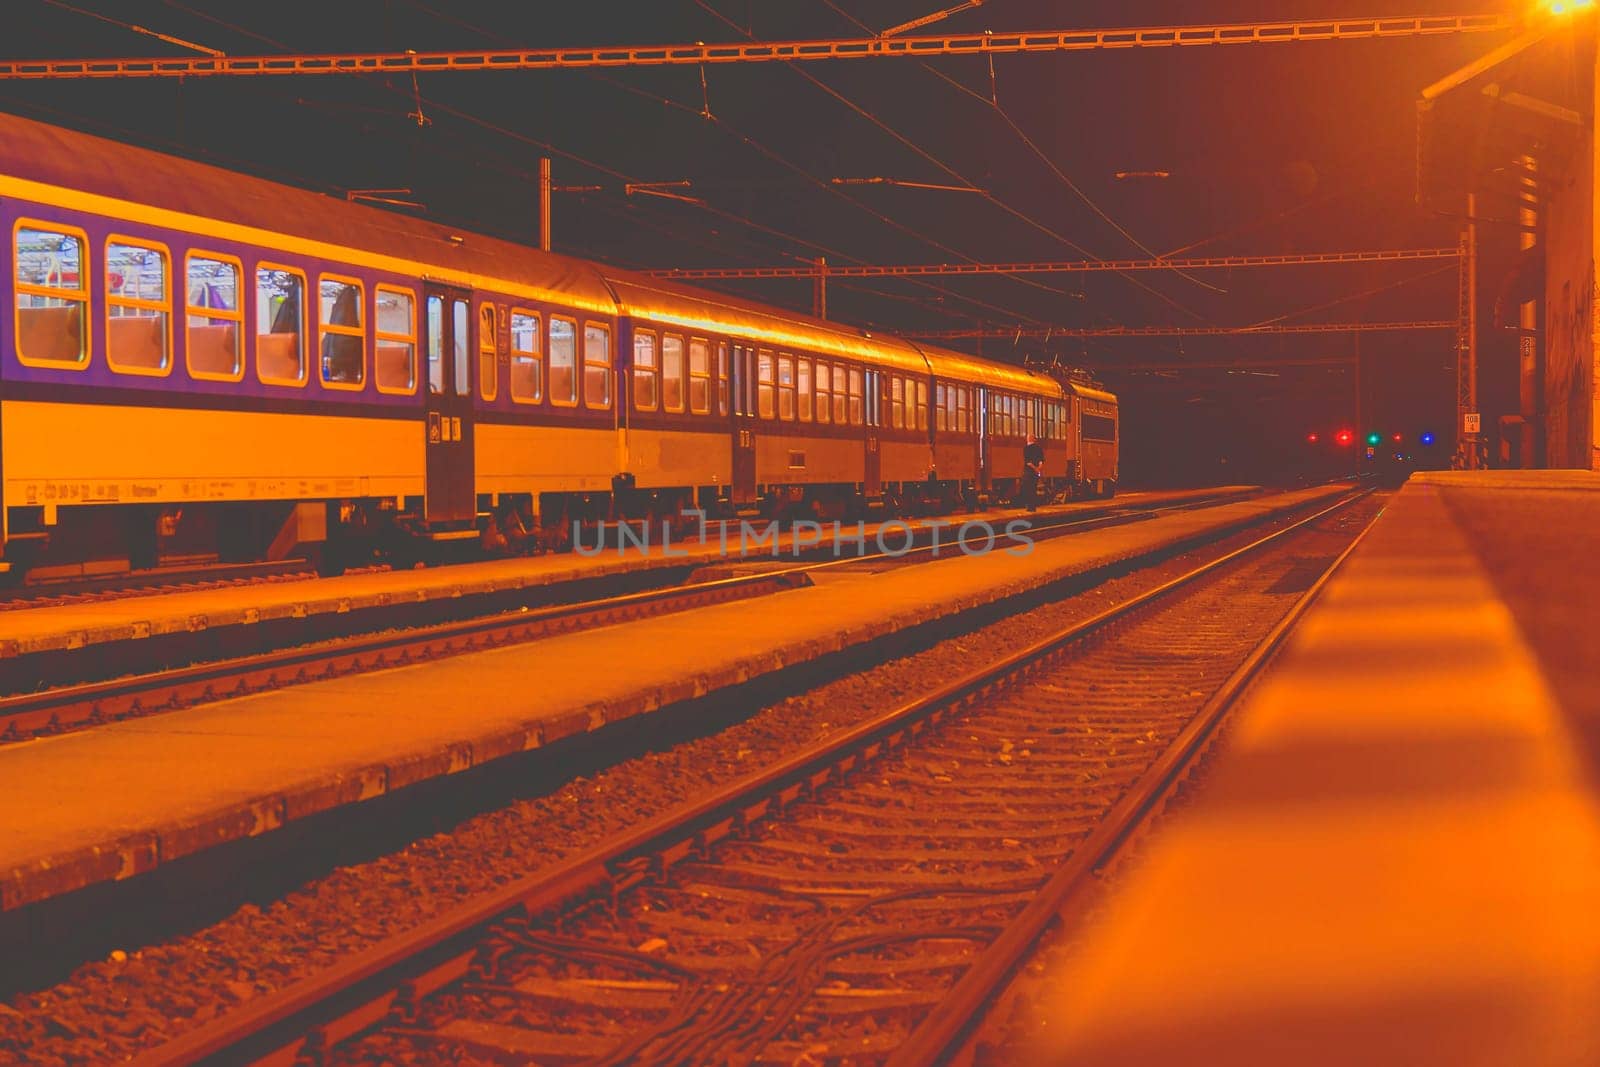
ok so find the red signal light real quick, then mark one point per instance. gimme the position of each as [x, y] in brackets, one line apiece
[1313, 438]
[1399, 437]
[1344, 437]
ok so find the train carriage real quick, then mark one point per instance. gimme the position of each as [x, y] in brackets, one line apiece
[1094, 439]
[195, 364]
[805, 424]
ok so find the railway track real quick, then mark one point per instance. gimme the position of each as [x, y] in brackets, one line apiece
[857, 903]
[183, 578]
[28, 715]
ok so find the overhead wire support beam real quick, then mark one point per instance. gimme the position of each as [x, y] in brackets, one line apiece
[1113, 366]
[1071, 266]
[923, 47]
[1047, 333]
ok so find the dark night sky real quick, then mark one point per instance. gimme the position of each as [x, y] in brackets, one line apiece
[1275, 148]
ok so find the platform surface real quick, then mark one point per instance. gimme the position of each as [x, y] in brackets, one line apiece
[1394, 857]
[73, 626]
[120, 799]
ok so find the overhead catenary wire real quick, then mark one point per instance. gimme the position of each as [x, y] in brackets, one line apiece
[993, 102]
[439, 107]
[935, 161]
[812, 179]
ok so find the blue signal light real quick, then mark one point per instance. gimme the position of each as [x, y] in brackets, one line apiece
[1426, 438]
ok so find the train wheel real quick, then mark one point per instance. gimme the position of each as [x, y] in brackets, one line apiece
[329, 559]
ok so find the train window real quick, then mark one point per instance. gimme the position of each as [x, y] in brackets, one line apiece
[436, 345]
[858, 408]
[395, 360]
[841, 395]
[563, 362]
[1099, 428]
[671, 372]
[280, 325]
[461, 326]
[786, 387]
[527, 377]
[214, 317]
[922, 405]
[964, 409]
[646, 371]
[138, 307]
[938, 405]
[343, 338]
[699, 376]
[897, 402]
[596, 366]
[802, 378]
[722, 378]
[488, 352]
[52, 295]
[824, 392]
[766, 403]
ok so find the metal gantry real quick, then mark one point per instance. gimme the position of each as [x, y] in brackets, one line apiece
[1247, 365]
[923, 47]
[1046, 333]
[1074, 266]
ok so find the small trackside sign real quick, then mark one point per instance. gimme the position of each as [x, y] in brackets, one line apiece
[1471, 422]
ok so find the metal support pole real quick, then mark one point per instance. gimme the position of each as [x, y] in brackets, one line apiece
[819, 289]
[1360, 440]
[544, 203]
[1530, 373]
[1472, 327]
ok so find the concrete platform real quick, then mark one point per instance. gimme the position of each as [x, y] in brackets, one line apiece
[43, 630]
[121, 799]
[1394, 857]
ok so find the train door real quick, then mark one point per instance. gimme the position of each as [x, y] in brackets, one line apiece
[744, 425]
[873, 484]
[450, 493]
[984, 457]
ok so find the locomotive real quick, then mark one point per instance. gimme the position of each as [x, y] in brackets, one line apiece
[198, 365]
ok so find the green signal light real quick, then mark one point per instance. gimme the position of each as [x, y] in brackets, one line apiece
[1374, 438]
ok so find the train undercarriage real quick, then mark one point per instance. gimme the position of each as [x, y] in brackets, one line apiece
[107, 540]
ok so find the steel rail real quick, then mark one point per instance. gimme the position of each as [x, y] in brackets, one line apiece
[944, 1030]
[304, 1018]
[922, 47]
